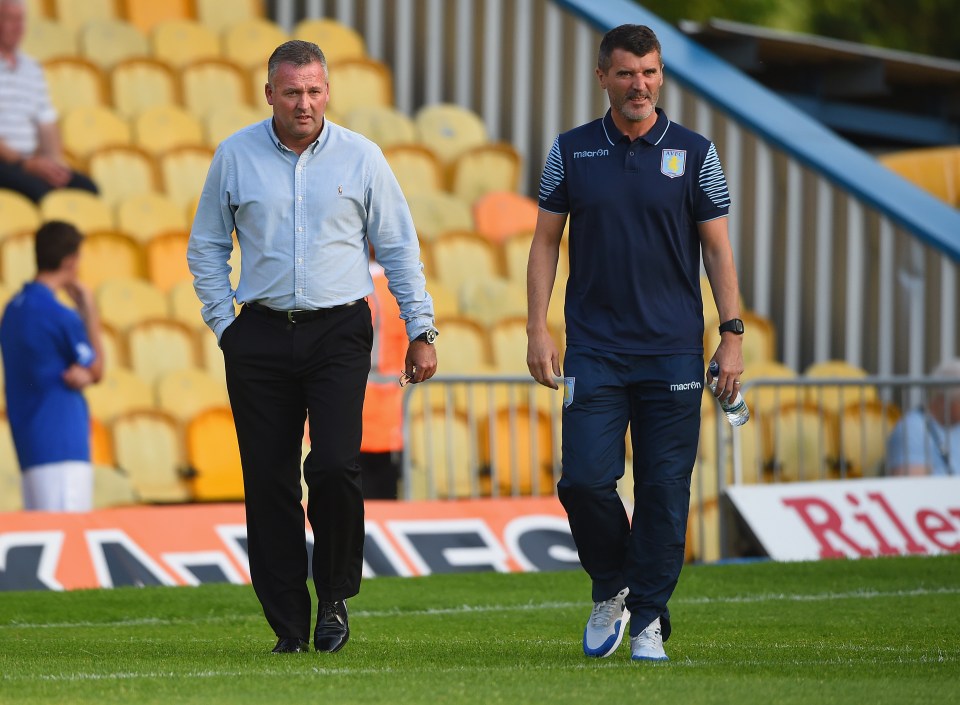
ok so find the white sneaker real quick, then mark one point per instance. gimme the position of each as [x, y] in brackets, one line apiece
[648, 645]
[608, 622]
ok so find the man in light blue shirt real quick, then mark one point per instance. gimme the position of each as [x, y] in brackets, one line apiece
[306, 199]
[926, 441]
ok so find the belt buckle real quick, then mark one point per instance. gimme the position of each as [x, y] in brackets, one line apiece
[290, 316]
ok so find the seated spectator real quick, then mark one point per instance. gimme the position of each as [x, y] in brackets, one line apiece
[926, 441]
[31, 159]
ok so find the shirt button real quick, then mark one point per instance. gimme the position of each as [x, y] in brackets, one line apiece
[299, 198]
[631, 154]
[299, 260]
[299, 230]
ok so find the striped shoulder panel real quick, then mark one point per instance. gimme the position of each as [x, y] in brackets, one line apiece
[552, 171]
[712, 180]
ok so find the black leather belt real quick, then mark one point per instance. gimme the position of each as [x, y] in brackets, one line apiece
[297, 315]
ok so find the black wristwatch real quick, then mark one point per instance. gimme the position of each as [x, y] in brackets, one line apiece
[428, 336]
[734, 325]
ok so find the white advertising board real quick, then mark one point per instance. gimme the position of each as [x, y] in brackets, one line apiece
[853, 518]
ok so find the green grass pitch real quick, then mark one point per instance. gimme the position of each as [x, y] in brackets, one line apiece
[866, 632]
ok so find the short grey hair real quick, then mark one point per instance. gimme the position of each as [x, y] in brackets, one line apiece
[949, 369]
[296, 52]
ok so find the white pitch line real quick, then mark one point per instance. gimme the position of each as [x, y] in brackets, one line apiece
[527, 607]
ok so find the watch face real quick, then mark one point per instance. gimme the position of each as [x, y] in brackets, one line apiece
[732, 326]
[431, 336]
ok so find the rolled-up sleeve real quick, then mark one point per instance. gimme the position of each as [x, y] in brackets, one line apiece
[211, 243]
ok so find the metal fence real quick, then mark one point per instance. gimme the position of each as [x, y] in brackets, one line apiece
[468, 437]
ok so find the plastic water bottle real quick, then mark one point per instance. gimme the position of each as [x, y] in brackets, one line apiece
[736, 408]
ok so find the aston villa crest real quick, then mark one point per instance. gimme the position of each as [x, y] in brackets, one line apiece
[673, 162]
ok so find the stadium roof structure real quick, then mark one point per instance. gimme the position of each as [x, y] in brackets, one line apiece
[804, 137]
[875, 97]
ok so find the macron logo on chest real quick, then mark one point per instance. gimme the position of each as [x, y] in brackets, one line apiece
[586, 154]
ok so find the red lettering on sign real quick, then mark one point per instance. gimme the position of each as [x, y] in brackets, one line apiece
[831, 523]
[932, 524]
[912, 546]
[884, 548]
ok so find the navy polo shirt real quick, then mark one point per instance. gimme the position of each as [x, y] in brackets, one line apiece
[634, 283]
[41, 338]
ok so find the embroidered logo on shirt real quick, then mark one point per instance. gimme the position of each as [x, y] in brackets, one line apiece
[673, 162]
[568, 384]
[591, 153]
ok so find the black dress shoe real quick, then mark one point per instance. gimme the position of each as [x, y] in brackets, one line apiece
[332, 630]
[291, 645]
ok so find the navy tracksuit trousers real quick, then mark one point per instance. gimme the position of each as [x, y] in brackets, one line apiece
[659, 396]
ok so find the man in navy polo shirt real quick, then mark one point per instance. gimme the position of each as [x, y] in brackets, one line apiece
[644, 196]
[50, 353]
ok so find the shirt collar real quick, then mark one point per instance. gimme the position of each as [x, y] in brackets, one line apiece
[654, 135]
[321, 138]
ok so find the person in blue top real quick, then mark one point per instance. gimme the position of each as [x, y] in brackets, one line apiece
[50, 353]
[644, 197]
[307, 199]
[926, 441]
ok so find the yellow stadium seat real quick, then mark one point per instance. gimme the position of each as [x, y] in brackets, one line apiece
[224, 120]
[75, 82]
[181, 42]
[214, 456]
[483, 169]
[112, 488]
[436, 213]
[337, 41]
[46, 39]
[835, 398]
[163, 127]
[107, 254]
[445, 303]
[166, 259]
[802, 440]
[209, 84]
[125, 302]
[147, 447]
[385, 125]
[516, 254]
[159, 345]
[114, 352]
[210, 354]
[936, 170]
[184, 393]
[508, 342]
[220, 14]
[449, 130]
[250, 43]
[863, 432]
[87, 129]
[17, 213]
[141, 83]
[524, 442]
[87, 211]
[108, 42]
[147, 14]
[18, 260]
[119, 392]
[11, 497]
[121, 172]
[185, 306]
[358, 83]
[765, 399]
[443, 459]
[501, 214]
[77, 13]
[464, 346]
[147, 214]
[183, 171]
[417, 168]
[462, 256]
[489, 300]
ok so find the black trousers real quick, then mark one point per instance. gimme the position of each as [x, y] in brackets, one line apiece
[13, 177]
[277, 372]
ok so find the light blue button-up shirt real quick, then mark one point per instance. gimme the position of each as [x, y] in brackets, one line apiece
[303, 225]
